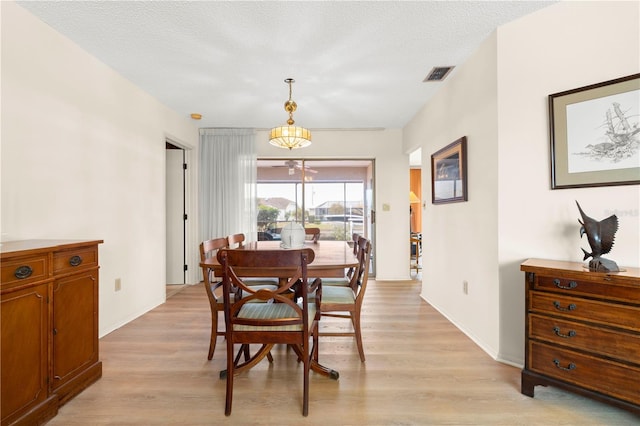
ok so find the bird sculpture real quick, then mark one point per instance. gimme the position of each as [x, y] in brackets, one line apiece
[600, 235]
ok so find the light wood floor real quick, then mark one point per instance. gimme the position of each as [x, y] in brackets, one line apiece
[420, 370]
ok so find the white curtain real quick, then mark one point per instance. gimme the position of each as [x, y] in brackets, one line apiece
[227, 183]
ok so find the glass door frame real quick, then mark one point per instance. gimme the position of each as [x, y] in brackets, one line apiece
[302, 172]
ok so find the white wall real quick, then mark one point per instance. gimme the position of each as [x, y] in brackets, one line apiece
[83, 157]
[564, 46]
[460, 239]
[391, 180]
[574, 45]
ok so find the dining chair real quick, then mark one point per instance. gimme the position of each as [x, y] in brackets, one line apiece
[336, 300]
[415, 253]
[213, 287]
[314, 233]
[286, 320]
[347, 279]
[356, 247]
[237, 241]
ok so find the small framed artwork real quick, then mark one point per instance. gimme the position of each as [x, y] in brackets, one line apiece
[595, 134]
[449, 173]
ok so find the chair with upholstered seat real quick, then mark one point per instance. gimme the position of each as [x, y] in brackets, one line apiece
[286, 320]
[346, 301]
[347, 279]
[314, 234]
[213, 287]
[237, 241]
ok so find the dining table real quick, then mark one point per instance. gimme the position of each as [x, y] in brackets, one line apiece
[331, 260]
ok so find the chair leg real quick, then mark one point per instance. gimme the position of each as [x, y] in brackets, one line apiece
[305, 395]
[230, 370]
[214, 334]
[355, 319]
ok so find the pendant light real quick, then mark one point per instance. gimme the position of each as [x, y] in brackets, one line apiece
[290, 136]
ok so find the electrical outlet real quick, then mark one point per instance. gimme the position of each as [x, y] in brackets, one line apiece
[465, 287]
[118, 284]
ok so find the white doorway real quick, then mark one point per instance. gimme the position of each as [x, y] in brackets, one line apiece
[175, 215]
[416, 208]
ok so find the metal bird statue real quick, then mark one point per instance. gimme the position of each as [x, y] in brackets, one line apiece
[600, 235]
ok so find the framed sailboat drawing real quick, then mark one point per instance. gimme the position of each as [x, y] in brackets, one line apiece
[595, 134]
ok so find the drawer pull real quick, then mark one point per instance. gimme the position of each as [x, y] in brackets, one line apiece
[569, 367]
[571, 333]
[75, 260]
[572, 284]
[559, 307]
[23, 272]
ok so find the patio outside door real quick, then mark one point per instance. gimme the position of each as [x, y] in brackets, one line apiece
[333, 195]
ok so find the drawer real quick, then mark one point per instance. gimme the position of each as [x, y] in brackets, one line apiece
[72, 260]
[610, 314]
[600, 375]
[17, 272]
[609, 287]
[575, 335]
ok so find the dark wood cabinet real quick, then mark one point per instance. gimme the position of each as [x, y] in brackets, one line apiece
[583, 331]
[49, 323]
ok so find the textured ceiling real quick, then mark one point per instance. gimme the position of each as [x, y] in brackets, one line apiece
[356, 64]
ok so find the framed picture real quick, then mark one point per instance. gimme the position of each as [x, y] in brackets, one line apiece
[595, 134]
[449, 173]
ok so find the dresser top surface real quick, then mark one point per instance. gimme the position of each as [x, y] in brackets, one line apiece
[547, 265]
[9, 247]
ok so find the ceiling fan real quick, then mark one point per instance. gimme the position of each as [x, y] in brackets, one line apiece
[292, 165]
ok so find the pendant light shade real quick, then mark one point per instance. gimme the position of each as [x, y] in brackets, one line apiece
[290, 136]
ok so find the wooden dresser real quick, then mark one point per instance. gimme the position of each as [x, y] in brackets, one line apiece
[49, 320]
[583, 331]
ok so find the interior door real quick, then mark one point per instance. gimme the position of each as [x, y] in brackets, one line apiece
[175, 214]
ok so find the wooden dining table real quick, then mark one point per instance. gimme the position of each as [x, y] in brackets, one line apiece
[331, 260]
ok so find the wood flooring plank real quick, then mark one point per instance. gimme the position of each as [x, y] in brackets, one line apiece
[156, 372]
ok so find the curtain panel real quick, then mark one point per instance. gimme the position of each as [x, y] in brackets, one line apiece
[227, 187]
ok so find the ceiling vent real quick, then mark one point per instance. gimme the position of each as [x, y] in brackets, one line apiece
[438, 74]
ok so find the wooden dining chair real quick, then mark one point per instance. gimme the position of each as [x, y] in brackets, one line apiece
[314, 233]
[213, 287]
[356, 247]
[286, 320]
[237, 241]
[346, 301]
[348, 277]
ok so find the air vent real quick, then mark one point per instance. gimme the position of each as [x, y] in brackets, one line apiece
[438, 74]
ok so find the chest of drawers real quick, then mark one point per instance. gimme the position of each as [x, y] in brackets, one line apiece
[583, 331]
[49, 318]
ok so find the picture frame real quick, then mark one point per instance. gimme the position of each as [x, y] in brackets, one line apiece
[595, 134]
[449, 173]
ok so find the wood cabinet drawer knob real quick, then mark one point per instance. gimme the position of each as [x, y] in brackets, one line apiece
[75, 260]
[570, 334]
[558, 283]
[23, 272]
[559, 307]
[569, 367]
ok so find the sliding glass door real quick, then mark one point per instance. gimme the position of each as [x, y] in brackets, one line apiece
[333, 195]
